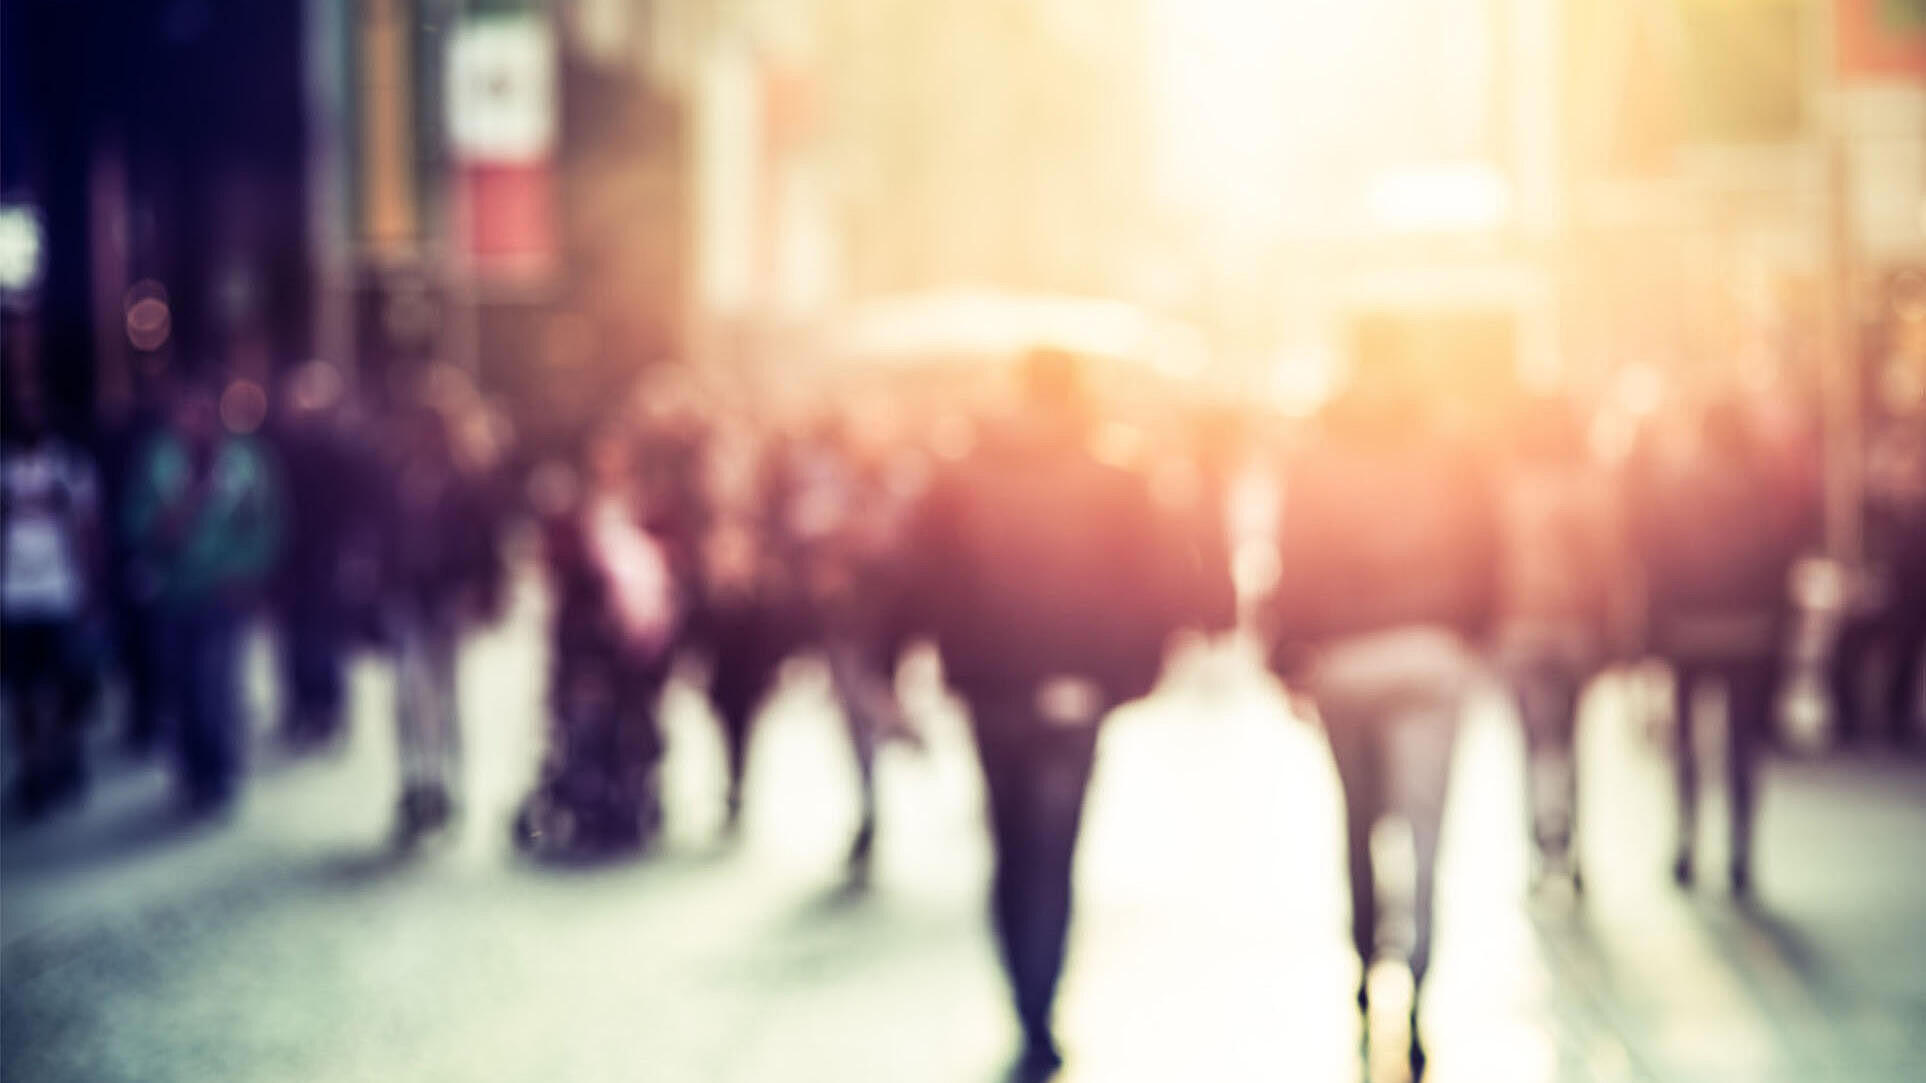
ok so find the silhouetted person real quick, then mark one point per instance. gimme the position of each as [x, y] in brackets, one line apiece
[328, 479]
[749, 617]
[1389, 574]
[843, 529]
[442, 574]
[1717, 525]
[204, 517]
[616, 618]
[1891, 625]
[49, 512]
[1561, 589]
[1043, 577]
[129, 425]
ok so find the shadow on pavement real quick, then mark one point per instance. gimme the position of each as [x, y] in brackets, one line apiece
[1785, 940]
[68, 845]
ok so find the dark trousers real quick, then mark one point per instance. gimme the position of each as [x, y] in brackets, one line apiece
[202, 645]
[1751, 687]
[313, 656]
[1388, 763]
[143, 656]
[427, 703]
[1547, 690]
[46, 698]
[1035, 776]
[740, 681]
[1898, 633]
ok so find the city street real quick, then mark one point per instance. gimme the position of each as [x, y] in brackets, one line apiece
[1210, 942]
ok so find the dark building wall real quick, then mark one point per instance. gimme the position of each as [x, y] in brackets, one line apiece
[201, 101]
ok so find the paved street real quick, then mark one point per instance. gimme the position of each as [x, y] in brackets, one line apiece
[1211, 940]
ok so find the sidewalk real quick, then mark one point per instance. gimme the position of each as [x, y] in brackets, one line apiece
[1211, 941]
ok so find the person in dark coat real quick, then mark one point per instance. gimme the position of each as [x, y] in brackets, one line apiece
[1562, 614]
[1044, 577]
[130, 422]
[615, 623]
[749, 618]
[204, 518]
[1718, 517]
[1889, 623]
[842, 524]
[49, 587]
[327, 480]
[442, 573]
[1389, 562]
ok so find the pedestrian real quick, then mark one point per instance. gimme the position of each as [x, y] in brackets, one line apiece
[327, 477]
[1562, 611]
[1040, 573]
[1388, 557]
[1718, 524]
[843, 528]
[1887, 620]
[130, 421]
[49, 563]
[616, 623]
[205, 521]
[749, 617]
[442, 574]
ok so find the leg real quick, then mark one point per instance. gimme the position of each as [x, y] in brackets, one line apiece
[1058, 779]
[1036, 781]
[1686, 775]
[642, 744]
[1007, 805]
[1420, 746]
[144, 660]
[1360, 769]
[737, 690]
[1547, 697]
[29, 658]
[1845, 673]
[77, 692]
[845, 670]
[444, 656]
[312, 656]
[413, 706]
[1908, 645]
[210, 724]
[425, 723]
[1751, 692]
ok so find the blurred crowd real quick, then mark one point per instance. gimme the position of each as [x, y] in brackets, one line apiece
[1046, 538]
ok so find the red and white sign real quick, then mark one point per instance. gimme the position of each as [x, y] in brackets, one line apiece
[1881, 39]
[502, 121]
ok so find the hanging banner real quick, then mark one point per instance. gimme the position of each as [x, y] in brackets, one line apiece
[1881, 39]
[502, 126]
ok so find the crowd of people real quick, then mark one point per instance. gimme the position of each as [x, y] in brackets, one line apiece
[1047, 551]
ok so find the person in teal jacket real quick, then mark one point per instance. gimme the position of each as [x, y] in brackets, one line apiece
[204, 520]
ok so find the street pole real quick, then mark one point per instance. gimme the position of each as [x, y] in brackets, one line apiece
[1839, 355]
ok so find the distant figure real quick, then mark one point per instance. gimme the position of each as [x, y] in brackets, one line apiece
[842, 527]
[129, 424]
[328, 479]
[442, 574]
[204, 517]
[750, 616]
[1562, 618]
[1888, 621]
[617, 616]
[49, 511]
[1718, 517]
[1389, 561]
[1045, 579]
